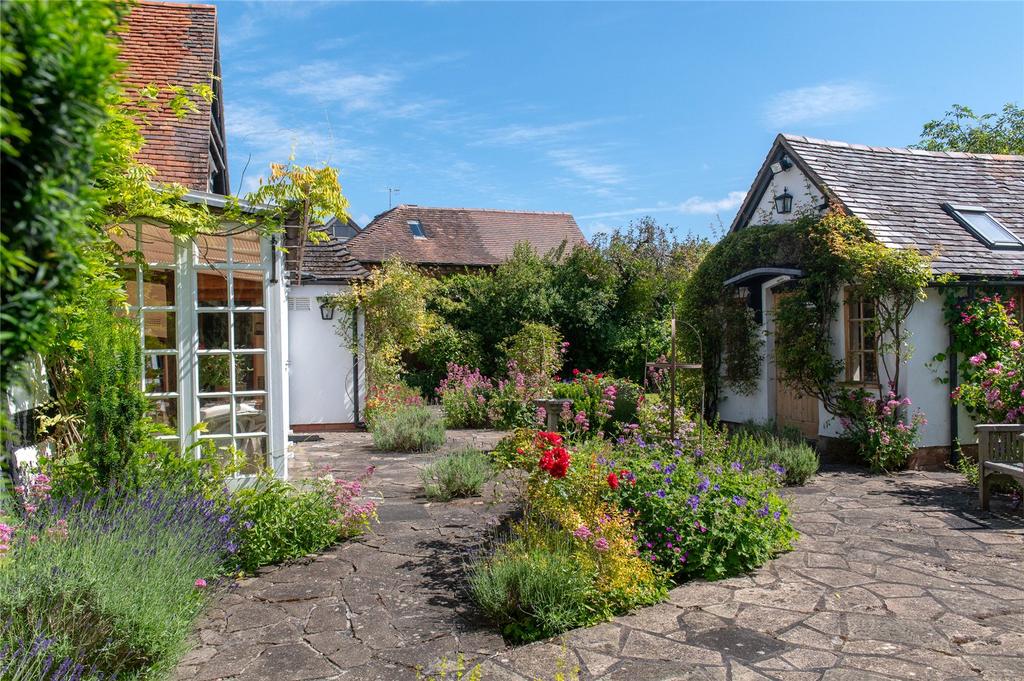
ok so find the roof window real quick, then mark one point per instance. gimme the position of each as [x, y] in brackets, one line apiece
[982, 225]
[416, 229]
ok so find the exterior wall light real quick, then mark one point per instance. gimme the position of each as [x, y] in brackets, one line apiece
[326, 310]
[784, 201]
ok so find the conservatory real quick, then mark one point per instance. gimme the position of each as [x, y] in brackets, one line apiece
[211, 317]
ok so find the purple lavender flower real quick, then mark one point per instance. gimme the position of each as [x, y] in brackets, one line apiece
[779, 470]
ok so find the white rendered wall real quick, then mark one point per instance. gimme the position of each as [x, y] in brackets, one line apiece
[806, 198]
[320, 367]
[919, 376]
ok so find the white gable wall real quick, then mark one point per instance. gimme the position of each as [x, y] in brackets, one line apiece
[806, 198]
[320, 364]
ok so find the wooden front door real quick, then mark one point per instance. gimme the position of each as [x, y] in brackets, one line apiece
[791, 407]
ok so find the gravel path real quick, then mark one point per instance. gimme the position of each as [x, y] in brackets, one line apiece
[893, 578]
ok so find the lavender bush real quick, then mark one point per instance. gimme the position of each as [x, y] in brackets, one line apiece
[114, 578]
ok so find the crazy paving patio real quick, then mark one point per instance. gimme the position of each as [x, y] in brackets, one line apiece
[893, 578]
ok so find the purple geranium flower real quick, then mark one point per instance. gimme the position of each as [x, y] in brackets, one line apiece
[739, 501]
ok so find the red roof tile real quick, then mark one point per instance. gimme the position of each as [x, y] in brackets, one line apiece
[167, 45]
[461, 236]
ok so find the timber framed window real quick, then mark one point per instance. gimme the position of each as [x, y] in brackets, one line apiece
[209, 319]
[230, 319]
[861, 340]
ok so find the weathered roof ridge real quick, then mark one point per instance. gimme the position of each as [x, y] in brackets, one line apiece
[481, 210]
[899, 150]
[177, 5]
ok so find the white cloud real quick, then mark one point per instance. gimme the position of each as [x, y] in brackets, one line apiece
[695, 205]
[818, 104]
[262, 134]
[329, 83]
[522, 134]
[593, 173]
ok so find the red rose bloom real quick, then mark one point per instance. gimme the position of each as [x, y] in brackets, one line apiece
[613, 481]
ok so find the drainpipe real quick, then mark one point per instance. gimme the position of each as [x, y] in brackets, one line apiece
[954, 415]
[355, 365]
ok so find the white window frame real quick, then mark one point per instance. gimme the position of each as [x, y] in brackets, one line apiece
[186, 310]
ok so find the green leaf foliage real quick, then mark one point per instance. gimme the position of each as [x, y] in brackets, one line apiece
[57, 66]
[963, 130]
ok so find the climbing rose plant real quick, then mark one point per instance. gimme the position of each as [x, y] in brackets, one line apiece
[988, 339]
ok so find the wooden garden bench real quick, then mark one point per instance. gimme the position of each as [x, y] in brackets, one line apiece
[1000, 452]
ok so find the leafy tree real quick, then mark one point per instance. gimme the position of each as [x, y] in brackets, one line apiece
[963, 130]
[57, 65]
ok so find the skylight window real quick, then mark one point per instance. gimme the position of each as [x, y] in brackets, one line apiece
[982, 225]
[416, 229]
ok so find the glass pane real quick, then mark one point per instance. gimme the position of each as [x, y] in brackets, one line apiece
[213, 330]
[131, 285]
[212, 288]
[161, 373]
[211, 249]
[214, 373]
[248, 288]
[251, 414]
[165, 411]
[989, 229]
[246, 248]
[223, 447]
[868, 309]
[159, 330]
[124, 237]
[249, 330]
[853, 342]
[157, 288]
[254, 449]
[157, 245]
[250, 372]
[215, 412]
[870, 370]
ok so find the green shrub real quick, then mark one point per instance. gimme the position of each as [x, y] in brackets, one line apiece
[761, 448]
[698, 518]
[536, 349]
[464, 392]
[534, 588]
[409, 429]
[59, 67]
[800, 462]
[277, 521]
[459, 474]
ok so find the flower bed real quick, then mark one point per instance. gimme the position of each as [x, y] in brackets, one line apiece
[607, 527]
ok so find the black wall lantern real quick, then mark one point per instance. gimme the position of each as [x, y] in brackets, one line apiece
[784, 201]
[326, 310]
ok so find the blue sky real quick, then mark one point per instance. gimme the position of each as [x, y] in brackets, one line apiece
[609, 111]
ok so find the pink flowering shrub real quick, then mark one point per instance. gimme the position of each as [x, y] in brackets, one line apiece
[881, 429]
[464, 392]
[991, 343]
[277, 521]
[511, 403]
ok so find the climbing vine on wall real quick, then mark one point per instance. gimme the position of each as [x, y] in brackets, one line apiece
[834, 251]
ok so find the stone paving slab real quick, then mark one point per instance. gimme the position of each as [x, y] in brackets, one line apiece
[895, 577]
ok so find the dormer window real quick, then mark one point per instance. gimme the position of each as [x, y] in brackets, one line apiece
[978, 222]
[416, 229]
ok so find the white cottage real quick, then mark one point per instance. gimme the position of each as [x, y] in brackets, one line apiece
[967, 208]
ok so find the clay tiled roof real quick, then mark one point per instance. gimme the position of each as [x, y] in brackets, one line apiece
[330, 262]
[167, 45]
[461, 236]
[899, 193]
